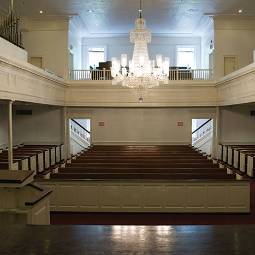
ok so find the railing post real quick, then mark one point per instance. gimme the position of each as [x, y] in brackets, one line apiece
[177, 74]
[104, 72]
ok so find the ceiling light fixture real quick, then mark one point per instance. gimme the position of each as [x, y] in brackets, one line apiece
[41, 11]
[140, 72]
[240, 11]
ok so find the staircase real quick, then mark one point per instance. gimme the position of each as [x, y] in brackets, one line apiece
[202, 137]
[79, 137]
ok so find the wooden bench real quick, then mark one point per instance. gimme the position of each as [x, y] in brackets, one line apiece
[146, 179]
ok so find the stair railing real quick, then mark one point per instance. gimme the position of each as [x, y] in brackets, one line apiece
[202, 130]
[79, 130]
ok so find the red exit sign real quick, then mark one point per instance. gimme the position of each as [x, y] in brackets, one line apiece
[180, 124]
[101, 124]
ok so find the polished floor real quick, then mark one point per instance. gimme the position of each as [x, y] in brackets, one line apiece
[118, 240]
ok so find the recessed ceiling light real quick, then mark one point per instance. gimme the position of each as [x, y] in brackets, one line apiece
[240, 11]
[41, 11]
[90, 11]
[192, 10]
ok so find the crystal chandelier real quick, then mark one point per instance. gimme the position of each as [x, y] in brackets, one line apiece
[140, 72]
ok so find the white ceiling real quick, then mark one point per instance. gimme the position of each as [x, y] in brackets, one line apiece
[117, 16]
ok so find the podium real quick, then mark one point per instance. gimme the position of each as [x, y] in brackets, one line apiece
[19, 195]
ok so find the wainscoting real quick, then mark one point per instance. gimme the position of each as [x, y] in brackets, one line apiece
[145, 196]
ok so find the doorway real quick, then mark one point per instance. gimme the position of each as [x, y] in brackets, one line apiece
[202, 134]
[230, 64]
[80, 135]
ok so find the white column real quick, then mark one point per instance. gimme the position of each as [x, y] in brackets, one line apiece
[66, 133]
[216, 132]
[10, 136]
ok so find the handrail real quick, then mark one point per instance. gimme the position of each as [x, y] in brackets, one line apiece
[201, 126]
[77, 123]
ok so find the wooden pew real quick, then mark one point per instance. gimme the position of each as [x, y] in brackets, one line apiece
[5, 165]
[104, 177]
[141, 162]
[147, 169]
[154, 176]
[23, 161]
[237, 157]
[31, 157]
[56, 153]
[112, 165]
[52, 153]
[250, 164]
[39, 157]
[234, 154]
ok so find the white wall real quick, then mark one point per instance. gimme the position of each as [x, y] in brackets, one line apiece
[166, 46]
[237, 125]
[140, 125]
[234, 36]
[48, 39]
[44, 126]
[128, 125]
[11, 51]
[207, 36]
[74, 44]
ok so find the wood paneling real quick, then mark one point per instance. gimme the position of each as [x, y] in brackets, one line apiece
[135, 196]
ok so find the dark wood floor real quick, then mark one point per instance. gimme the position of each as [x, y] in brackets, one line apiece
[118, 240]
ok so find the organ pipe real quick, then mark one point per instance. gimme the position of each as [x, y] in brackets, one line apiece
[9, 28]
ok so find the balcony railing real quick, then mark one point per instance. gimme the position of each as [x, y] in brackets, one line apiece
[174, 74]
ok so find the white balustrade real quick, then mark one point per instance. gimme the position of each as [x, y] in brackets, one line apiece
[92, 74]
[174, 74]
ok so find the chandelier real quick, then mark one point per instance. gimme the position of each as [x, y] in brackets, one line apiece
[140, 72]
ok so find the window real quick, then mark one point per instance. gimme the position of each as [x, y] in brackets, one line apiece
[96, 55]
[186, 57]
